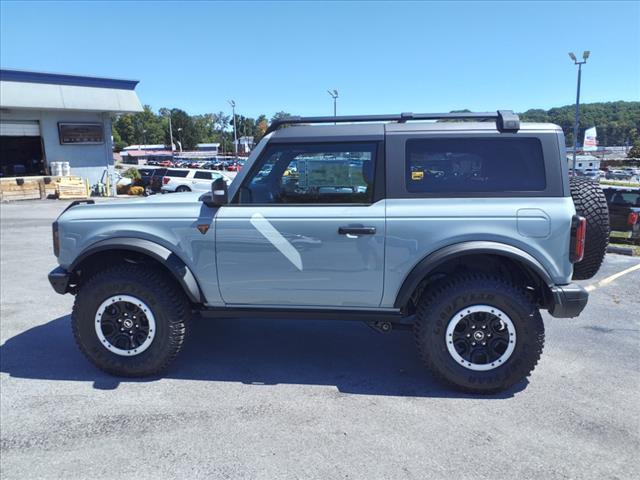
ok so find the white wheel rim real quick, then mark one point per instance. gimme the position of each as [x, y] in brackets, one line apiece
[463, 316]
[117, 300]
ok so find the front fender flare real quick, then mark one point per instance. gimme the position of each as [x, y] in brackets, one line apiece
[437, 258]
[166, 257]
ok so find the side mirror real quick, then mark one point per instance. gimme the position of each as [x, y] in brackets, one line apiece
[219, 193]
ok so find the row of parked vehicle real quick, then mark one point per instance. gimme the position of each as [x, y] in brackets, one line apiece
[631, 174]
[166, 180]
[228, 164]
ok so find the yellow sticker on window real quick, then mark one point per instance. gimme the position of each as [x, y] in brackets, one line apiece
[417, 175]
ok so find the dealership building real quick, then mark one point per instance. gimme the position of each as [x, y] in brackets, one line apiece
[47, 117]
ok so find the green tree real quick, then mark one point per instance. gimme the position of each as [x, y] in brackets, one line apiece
[635, 150]
[118, 143]
[260, 128]
[184, 130]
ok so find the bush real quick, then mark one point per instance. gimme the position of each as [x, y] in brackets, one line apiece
[136, 190]
[132, 173]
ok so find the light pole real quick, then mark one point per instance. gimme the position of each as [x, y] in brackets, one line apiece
[235, 132]
[180, 137]
[334, 95]
[585, 55]
[170, 134]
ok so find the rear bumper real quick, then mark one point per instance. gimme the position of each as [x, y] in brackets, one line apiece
[59, 280]
[568, 300]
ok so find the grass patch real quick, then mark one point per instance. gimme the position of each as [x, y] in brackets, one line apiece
[619, 183]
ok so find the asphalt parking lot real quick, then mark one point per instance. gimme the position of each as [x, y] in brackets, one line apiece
[275, 399]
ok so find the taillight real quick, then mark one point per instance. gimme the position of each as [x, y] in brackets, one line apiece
[165, 180]
[578, 236]
[56, 239]
[632, 219]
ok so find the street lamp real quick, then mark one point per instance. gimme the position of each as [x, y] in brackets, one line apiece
[334, 95]
[235, 132]
[585, 55]
[180, 138]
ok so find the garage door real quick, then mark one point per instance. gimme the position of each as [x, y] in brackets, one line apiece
[23, 128]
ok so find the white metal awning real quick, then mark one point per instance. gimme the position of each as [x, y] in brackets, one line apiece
[19, 128]
[42, 96]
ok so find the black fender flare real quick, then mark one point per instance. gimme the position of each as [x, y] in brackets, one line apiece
[437, 258]
[166, 257]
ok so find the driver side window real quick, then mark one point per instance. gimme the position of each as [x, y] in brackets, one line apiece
[312, 173]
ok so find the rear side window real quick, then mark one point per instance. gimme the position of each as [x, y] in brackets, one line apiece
[474, 165]
[176, 173]
[203, 175]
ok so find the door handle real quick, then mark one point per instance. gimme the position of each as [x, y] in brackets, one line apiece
[357, 230]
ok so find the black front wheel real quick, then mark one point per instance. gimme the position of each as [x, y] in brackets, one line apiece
[479, 334]
[130, 320]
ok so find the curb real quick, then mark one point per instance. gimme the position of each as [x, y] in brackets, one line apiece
[621, 250]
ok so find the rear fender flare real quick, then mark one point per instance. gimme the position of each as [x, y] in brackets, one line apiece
[439, 257]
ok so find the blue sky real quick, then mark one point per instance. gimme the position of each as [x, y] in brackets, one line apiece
[382, 57]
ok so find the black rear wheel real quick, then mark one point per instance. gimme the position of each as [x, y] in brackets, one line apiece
[479, 334]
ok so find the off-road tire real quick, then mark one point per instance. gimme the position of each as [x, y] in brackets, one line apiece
[168, 303]
[182, 188]
[440, 304]
[591, 204]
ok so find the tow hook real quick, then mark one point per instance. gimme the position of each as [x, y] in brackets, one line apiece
[380, 326]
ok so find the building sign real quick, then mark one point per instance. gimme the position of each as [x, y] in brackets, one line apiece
[81, 133]
[590, 141]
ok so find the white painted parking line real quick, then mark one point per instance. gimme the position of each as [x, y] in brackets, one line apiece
[611, 278]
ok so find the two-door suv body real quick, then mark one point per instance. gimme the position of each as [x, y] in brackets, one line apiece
[462, 230]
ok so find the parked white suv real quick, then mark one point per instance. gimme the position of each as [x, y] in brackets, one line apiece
[187, 180]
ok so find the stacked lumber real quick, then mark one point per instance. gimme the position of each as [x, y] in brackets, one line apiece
[71, 187]
[20, 189]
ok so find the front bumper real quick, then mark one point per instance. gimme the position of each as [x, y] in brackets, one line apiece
[59, 280]
[568, 300]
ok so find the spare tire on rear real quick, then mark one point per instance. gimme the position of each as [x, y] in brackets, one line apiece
[591, 204]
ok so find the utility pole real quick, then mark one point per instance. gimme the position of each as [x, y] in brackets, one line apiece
[235, 132]
[180, 137]
[170, 135]
[334, 95]
[576, 125]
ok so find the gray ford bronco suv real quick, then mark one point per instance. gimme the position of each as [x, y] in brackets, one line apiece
[460, 230]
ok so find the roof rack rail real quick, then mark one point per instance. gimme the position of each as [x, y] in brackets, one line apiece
[506, 120]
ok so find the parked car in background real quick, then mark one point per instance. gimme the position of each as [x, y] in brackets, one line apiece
[187, 180]
[152, 179]
[624, 212]
[234, 167]
[618, 175]
[166, 163]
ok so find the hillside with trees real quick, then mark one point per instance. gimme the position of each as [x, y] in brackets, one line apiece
[618, 123]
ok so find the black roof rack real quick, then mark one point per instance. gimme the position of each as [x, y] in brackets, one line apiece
[506, 120]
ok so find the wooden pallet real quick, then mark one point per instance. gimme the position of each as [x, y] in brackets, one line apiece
[29, 190]
[71, 187]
